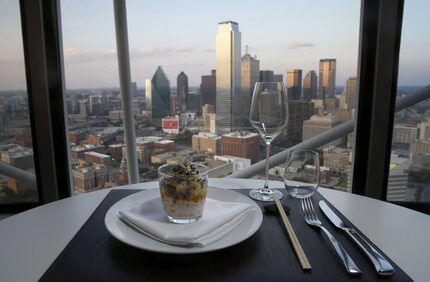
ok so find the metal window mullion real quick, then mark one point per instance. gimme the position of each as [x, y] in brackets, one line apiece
[125, 85]
[380, 32]
[44, 75]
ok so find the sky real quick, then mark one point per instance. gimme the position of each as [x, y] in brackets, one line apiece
[180, 36]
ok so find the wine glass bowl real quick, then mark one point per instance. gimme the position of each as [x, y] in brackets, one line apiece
[302, 170]
[268, 115]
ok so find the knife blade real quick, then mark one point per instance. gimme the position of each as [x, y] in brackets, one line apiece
[382, 266]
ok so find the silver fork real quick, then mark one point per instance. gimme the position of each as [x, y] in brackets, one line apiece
[311, 218]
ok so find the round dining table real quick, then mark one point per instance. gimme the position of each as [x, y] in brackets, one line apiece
[30, 241]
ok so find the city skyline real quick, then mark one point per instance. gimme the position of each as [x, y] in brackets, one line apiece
[186, 41]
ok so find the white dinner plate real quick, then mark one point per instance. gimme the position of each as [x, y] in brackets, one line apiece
[131, 237]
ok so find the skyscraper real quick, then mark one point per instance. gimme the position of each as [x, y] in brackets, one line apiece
[351, 93]
[327, 79]
[278, 78]
[133, 89]
[298, 112]
[250, 74]
[266, 76]
[208, 89]
[158, 94]
[310, 86]
[228, 60]
[319, 124]
[294, 84]
[182, 92]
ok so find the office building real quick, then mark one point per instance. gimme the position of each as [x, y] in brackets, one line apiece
[250, 69]
[208, 89]
[398, 179]
[241, 144]
[420, 153]
[173, 104]
[210, 123]
[266, 76]
[318, 124]
[207, 109]
[294, 84]
[338, 159]
[310, 86]
[278, 78]
[298, 112]
[327, 79]
[206, 142]
[133, 89]
[182, 92]
[228, 61]
[165, 145]
[97, 104]
[98, 158]
[424, 130]
[351, 92]
[91, 178]
[405, 134]
[83, 108]
[194, 101]
[115, 115]
[158, 94]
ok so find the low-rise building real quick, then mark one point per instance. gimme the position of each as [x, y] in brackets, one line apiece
[208, 142]
[241, 144]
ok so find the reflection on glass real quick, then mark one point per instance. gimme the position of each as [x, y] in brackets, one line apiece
[16, 148]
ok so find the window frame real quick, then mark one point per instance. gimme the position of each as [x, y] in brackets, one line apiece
[379, 46]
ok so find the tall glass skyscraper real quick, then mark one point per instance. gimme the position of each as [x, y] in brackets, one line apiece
[158, 94]
[310, 86]
[250, 69]
[294, 84]
[351, 92]
[327, 78]
[228, 74]
[182, 92]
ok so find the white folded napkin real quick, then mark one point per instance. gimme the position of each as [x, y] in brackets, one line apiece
[218, 219]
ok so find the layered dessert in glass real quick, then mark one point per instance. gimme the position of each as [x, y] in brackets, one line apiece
[183, 189]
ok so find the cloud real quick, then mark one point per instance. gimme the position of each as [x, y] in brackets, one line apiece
[301, 45]
[159, 51]
[78, 55]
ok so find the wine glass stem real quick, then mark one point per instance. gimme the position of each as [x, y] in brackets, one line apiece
[266, 180]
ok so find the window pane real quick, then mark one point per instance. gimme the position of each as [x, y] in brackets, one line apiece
[409, 178]
[92, 96]
[16, 147]
[180, 64]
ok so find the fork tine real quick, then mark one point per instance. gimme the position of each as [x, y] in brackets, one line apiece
[304, 208]
[311, 209]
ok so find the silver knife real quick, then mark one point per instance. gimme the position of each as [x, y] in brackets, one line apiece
[383, 267]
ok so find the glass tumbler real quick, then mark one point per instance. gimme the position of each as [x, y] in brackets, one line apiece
[183, 195]
[302, 173]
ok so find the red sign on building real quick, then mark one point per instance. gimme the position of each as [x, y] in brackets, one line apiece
[170, 125]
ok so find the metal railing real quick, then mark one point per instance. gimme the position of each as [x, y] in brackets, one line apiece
[326, 137]
[18, 174]
[314, 142]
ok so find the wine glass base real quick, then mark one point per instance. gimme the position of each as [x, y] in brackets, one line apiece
[265, 194]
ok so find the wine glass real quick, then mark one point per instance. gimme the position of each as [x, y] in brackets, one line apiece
[302, 172]
[268, 115]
